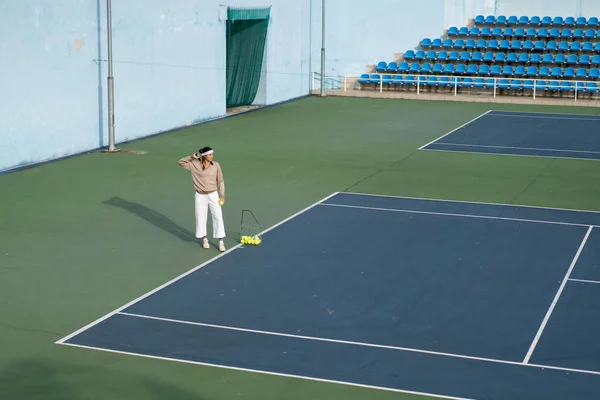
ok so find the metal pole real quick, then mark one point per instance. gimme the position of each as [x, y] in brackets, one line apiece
[323, 49]
[111, 98]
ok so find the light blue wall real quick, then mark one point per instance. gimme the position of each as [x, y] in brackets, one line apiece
[169, 69]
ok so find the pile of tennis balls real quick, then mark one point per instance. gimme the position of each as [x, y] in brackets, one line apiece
[251, 240]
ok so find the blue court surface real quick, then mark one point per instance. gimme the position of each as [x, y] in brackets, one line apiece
[452, 299]
[526, 134]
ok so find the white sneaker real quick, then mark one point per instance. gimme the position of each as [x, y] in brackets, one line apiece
[221, 245]
[205, 243]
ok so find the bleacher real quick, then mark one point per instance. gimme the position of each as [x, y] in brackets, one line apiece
[508, 54]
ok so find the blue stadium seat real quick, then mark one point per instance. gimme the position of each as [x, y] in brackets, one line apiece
[581, 73]
[519, 33]
[431, 55]
[426, 43]
[504, 45]
[508, 70]
[523, 58]
[442, 55]
[500, 57]
[493, 44]
[591, 87]
[569, 72]
[531, 71]
[512, 20]
[563, 46]
[490, 20]
[474, 31]
[448, 69]
[479, 83]
[463, 31]
[496, 32]
[531, 33]
[364, 78]
[594, 73]
[534, 20]
[516, 84]
[554, 86]
[511, 58]
[397, 80]
[437, 68]
[488, 57]
[386, 79]
[523, 20]
[508, 32]
[566, 33]
[484, 70]
[472, 69]
[542, 33]
[581, 21]
[528, 45]
[403, 67]
[535, 59]
[593, 21]
[467, 82]
[566, 87]
[539, 46]
[554, 33]
[453, 56]
[585, 59]
[578, 34]
[481, 45]
[392, 67]
[556, 72]
[375, 78]
[426, 68]
[551, 46]
[547, 59]
[470, 44]
[436, 43]
[596, 60]
[516, 45]
[414, 68]
[460, 69]
[557, 21]
[560, 59]
[409, 55]
[477, 56]
[541, 85]
[503, 84]
[569, 21]
[448, 43]
[419, 55]
[459, 44]
[381, 66]
[409, 80]
[575, 47]
[519, 71]
[597, 47]
[501, 20]
[544, 72]
[546, 21]
[431, 81]
[479, 20]
[485, 32]
[528, 84]
[587, 46]
[444, 82]
[465, 56]
[453, 31]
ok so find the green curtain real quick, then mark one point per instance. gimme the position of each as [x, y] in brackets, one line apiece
[246, 36]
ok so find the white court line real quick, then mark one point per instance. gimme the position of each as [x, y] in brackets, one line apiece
[519, 148]
[455, 215]
[555, 301]
[583, 280]
[510, 154]
[454, 130]
[545, 113]
[347, 342]
[88, 326]
[543, 117]
[439, 396]
[467, 202]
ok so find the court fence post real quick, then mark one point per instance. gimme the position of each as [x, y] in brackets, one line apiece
[455, 85]
[494, 87]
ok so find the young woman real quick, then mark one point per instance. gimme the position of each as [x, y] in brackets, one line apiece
[208, 180]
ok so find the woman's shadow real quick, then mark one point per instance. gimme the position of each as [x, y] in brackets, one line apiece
[154, 217]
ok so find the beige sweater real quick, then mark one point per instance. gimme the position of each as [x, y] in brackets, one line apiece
[206, 180]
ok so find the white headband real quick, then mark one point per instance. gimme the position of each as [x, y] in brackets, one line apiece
[206, 153]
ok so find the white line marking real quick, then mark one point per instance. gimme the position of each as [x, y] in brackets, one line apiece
[544, 113]
[386, 347]
[454, 130]
[468, 202]
[61, 341]
[583, 280]
[555, 301]
[455, 215]
[510, 154]
[542, 117]
[520, 148]
[268, 372]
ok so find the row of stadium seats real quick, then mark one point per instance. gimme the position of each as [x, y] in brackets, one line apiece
[494, 70]
[494, 44]
[453, 31]
[535, 20]
[529, 84]
[501, 57]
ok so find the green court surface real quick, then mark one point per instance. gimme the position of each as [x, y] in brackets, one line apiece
[83, 236]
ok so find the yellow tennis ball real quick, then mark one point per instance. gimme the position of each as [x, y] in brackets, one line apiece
[221, 202]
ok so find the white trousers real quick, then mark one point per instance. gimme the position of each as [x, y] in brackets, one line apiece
[204, 202]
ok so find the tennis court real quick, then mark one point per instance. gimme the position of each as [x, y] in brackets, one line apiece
[385, 272]
[528, 134]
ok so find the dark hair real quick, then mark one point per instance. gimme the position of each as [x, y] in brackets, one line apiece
[204, 149]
